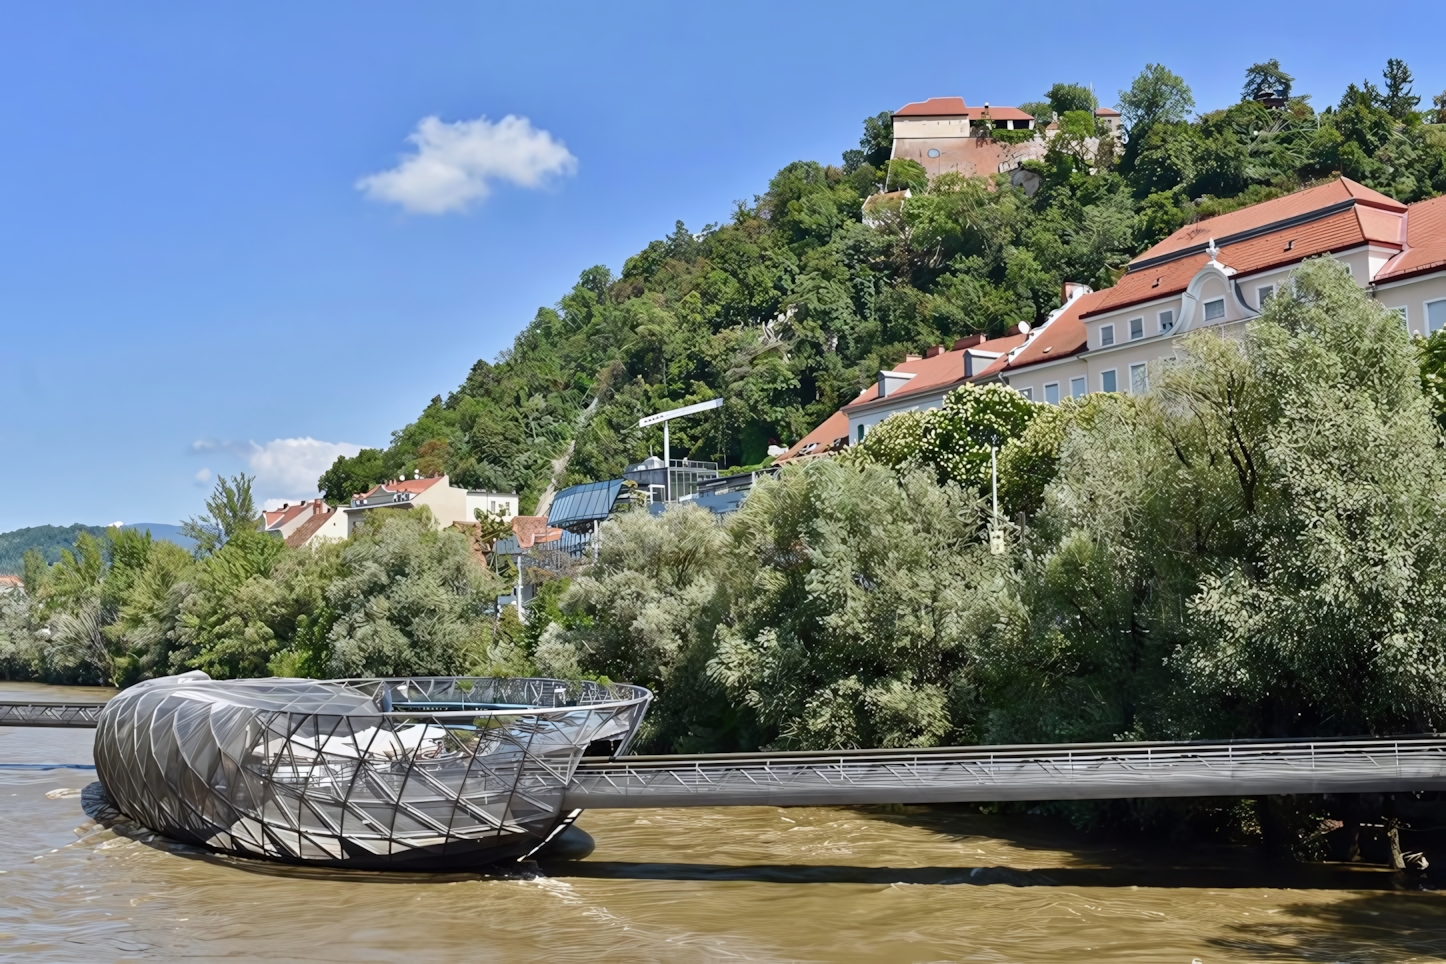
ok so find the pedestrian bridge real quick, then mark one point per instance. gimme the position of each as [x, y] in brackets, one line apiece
[1076, 771]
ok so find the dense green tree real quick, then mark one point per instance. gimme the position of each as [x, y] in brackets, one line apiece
[1064, 98]
[408, 600]
[1398, 100]
[1269, 77]
[647, 612]
[854, 620]
[1237, 552]
[1155, 96]
[229, 511]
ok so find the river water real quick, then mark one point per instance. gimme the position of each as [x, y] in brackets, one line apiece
[731, 884]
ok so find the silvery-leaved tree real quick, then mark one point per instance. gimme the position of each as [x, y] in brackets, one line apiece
[1253, 548]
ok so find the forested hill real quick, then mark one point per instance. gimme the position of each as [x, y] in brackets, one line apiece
[793, 305]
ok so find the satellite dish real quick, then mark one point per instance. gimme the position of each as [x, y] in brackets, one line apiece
[1024, 327]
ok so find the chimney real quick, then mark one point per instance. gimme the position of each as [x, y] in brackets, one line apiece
[936, 350]
[911, 358]
[969, 342]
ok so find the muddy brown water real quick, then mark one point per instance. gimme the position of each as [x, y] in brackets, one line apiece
[729, 884]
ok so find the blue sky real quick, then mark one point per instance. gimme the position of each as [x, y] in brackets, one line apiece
[195, 278]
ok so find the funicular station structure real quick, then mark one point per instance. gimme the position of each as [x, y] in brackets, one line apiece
[448, 772]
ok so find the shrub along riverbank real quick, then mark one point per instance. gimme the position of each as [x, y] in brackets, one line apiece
[1256, 546]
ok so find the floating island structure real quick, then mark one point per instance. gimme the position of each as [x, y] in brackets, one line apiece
[421, 773]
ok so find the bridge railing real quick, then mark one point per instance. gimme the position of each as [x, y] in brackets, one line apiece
[39, 713]
[959, 774]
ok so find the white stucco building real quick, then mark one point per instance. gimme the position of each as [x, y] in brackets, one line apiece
[1217, 273]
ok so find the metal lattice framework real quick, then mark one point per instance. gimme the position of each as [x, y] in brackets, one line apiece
[962, 774]
[415, 773]
[71, 715]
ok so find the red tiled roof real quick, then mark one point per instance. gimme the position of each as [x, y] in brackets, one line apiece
[944, 370]
[14, 582]
[1000, 113]
[934, 107]
[532, 529]
[413, 486]
[1062, 336]
[1425, 241]
[1256, 216]
[1106, 112]
[279, 517]
[307, 529]
[835, 427]
[1335, 232]
[955, 107]
[1285, 230]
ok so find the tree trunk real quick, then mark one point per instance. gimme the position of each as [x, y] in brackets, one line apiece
[1393, 837]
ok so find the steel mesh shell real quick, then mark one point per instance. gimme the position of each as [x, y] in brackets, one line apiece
[418, 773]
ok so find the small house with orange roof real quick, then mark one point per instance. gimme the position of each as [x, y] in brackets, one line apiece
[291, 517]
[448, 503]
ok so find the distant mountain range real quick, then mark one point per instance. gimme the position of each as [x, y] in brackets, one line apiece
[51, 539]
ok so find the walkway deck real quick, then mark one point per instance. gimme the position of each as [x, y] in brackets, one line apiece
[1040, 772]
[1076, 771]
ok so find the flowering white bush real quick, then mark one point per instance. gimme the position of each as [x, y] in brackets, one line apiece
[953, 441]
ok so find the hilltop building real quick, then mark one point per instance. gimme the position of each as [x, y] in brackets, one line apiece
[945, 135]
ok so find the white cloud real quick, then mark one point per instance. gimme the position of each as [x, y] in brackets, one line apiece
[203, 476]
[292, 464]
[455, 163]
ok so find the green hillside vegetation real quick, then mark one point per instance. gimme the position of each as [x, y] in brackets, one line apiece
[49, 541]
[791, 307]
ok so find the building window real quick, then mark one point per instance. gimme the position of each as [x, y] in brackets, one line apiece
[1262, 295]
[933, 152]
[1076, 387]
[1051, 393]
[1137, 328]
[1215, 309]
[1405, 318]
[1107, 381]
[1027, 393]
[1107, 335]
[1139, 379]
[1167, 321]
[862, 429]
[1435, 316]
